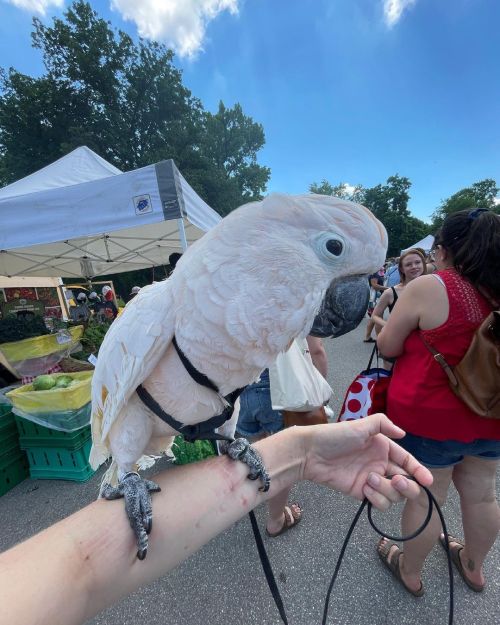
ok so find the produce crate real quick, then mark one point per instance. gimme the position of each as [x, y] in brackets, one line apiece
[7, 425]
[5, 409]
[62, 420]
[34, 435]
[37, 354]
[57, 399]
[9, 445]
[57, 463]
[13, 470]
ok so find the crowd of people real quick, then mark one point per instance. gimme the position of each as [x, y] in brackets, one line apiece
[103, 306]
[440, 298]
[443, 310]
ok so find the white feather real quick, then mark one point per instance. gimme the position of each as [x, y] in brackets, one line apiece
[236, 299]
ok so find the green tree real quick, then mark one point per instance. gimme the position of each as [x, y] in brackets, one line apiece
[480, 194]
[341, 190]
[389, 203]
[127, 102]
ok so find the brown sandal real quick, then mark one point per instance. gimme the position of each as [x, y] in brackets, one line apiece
[455, 558]
[293, 516]
[392, 563]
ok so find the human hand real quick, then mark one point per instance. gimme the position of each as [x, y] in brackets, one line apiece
[354, 456]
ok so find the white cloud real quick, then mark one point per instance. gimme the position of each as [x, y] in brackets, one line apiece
[496, 200]
[349, 188]
[394, 9]
[36, 6]
[181, 24]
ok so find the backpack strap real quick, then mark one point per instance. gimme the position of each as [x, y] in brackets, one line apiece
[440, 359]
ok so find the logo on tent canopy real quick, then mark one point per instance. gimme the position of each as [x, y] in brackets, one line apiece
[143, 205]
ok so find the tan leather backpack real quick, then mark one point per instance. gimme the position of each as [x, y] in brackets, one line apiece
[476, 378]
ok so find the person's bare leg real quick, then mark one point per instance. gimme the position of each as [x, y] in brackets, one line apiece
[318, 354]
[474, 480]
[276, 511]
[276, 505]
[369, 329]
[416, 551]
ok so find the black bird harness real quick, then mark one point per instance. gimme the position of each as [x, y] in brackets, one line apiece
[206, 429]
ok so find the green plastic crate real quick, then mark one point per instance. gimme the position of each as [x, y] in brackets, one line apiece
[34, 435]
[5, 409]
[57, 463]
[13, 470]
[7, 424]
[9, 446]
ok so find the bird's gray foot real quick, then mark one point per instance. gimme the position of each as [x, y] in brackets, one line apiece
[137, 495]
[240, 449]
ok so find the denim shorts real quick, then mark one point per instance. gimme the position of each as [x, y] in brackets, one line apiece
[256, 412]
[441, 454]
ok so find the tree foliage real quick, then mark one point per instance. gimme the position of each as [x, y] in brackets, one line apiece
[126, 101]
[389, 203]
[341, 190]
[480, 194]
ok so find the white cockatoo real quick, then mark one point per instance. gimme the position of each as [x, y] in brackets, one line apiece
[237, 298]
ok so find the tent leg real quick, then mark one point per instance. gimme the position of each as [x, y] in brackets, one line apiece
[182, 234]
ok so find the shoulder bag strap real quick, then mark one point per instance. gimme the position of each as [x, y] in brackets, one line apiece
[374, 351]
[440, 359]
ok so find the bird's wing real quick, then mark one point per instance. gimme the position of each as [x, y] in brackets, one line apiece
[132, 348]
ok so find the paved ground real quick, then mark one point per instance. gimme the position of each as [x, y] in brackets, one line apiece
[223, 583]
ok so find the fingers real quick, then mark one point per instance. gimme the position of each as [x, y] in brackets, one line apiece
[381, 492]
[401, 461]
[380, 424]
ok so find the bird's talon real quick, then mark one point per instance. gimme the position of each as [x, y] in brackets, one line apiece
[240, 449]
[137, 495]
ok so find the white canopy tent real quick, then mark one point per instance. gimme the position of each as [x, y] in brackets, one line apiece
[425, 244]
[83, 217]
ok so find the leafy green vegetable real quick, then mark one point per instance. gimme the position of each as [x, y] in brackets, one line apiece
[186, 453]
[63, 381]
[44, 382]
[13, 328]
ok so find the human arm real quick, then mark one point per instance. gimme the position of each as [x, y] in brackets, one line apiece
[413, 311]
[375, 285]
[378, 312]
[87, 562]
[318, 354]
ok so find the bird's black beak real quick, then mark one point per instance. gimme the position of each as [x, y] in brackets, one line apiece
[343, 307]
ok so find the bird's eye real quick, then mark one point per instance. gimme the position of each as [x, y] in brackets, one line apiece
[335, 247]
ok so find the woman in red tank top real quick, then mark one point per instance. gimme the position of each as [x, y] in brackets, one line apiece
[457, 445]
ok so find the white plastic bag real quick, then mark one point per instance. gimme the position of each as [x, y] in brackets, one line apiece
[296, 384]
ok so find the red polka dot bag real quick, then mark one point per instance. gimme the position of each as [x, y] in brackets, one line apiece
[367, 393]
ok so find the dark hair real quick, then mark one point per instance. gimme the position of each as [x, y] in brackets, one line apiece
[472, 237]
[173, 259]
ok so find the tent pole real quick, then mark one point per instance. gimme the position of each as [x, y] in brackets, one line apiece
[182, 234]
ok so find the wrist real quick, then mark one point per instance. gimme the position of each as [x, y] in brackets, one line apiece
[284, 456]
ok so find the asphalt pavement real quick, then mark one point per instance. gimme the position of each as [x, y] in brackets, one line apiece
[223, 583]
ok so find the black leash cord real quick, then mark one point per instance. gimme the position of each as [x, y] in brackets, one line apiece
[268, 571]
[432, 503]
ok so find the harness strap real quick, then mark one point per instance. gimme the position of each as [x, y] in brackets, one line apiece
[203, 430]
[197, 376]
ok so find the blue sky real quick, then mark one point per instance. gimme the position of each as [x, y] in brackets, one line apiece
[348, 90]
